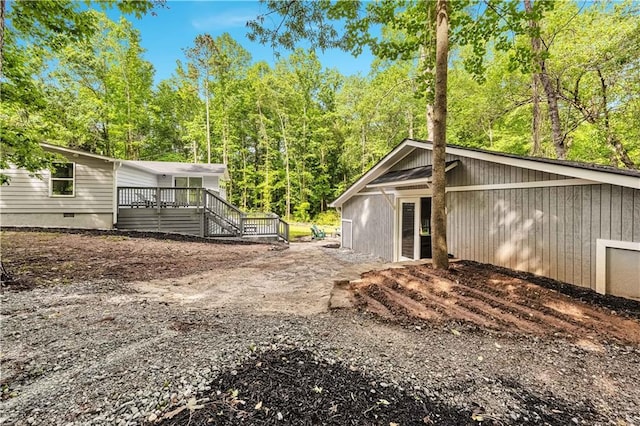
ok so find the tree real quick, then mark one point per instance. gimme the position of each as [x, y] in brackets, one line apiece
[37, 30]
[317, 21]
[203, 56]
[438, 212]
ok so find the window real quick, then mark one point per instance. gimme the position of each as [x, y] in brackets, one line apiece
[63, 180]
[188, 196]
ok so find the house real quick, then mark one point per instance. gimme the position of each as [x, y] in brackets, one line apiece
[573, 222]
[97, 192]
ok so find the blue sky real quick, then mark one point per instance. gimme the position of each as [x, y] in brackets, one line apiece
[174, 28]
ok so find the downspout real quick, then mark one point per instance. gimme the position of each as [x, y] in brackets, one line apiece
[116, 166]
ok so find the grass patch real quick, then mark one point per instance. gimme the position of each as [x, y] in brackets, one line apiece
[299, 230]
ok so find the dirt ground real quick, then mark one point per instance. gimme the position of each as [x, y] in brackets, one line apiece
[117, 329]
[491, 298]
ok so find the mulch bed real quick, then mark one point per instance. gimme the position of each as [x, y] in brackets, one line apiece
[295, 388]
[622, 305]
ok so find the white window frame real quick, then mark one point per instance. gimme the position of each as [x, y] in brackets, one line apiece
[72, 179]
[188, 178]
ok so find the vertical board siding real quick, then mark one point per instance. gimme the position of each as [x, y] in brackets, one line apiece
[546, 231]
[372, 224]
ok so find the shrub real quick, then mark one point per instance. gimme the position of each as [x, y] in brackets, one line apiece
[328, 218]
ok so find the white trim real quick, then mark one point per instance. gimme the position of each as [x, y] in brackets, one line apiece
[601, 259]
[416, 228]
[560, 169]
[351, 233]
[412, 182]
[421, 181]
[397, 154]
[422, 192]
[116, 166]
[72, 179]
[74, 152]
[518, 185]
[388, 199]
[407, 146]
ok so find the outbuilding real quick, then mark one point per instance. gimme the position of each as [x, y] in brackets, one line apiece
[573, 222]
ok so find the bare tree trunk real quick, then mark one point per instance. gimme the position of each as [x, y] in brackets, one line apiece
[363, 140]
[286, 166]
[266, 196]
[410, 123]
[438, 211]
[2, 12]
[206, 99]
[430, 119]
[429, 108]
[536, 44]
[612, 139]
[536, 148]
[554, 113]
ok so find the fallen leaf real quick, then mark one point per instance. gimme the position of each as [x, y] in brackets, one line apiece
[455, 332]
[259, 405]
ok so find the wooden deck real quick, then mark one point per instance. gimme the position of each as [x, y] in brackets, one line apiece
[193, 211]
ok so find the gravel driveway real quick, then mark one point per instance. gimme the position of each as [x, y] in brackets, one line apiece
[110, 352]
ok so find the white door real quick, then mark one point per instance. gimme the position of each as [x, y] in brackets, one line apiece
[409, 225]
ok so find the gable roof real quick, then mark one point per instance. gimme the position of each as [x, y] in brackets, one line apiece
[155, 167]
[596, 173]
[408, 176]
[75, 152]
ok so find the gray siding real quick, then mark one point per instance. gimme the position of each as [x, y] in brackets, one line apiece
[93, 191]
[178, 221]
[475, 172]
[130, 176]
[372, 224]
[546, 231]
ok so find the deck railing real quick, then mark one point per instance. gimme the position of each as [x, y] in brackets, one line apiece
[136, 197]
[219, 217]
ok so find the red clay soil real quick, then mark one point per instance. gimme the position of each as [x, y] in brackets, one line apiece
[487, 298]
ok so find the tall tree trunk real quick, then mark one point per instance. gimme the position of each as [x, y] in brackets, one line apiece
[612, 139]
[2, 12]
[430, 119]
[410, 123]
[286, 166]
[206, 99]
[554, 113]
[536, 148]
[266, 196]
[536, 44]
[363, 141]
[438, 211]
[429, 109]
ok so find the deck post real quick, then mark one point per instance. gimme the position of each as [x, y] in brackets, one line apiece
[203, 215]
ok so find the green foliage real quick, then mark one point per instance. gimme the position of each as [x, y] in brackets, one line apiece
[301, 213]
[295, 135]
[34, 33]
[328, 218]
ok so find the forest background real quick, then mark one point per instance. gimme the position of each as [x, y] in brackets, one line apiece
[296, 134]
